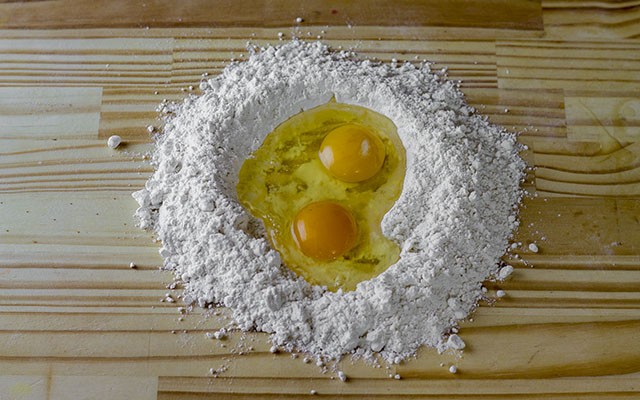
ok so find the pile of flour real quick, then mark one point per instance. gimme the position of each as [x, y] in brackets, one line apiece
[452, 221]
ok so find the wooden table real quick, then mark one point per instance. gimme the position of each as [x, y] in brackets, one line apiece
[77, 323]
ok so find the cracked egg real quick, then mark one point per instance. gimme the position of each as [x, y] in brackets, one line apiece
[321, 183]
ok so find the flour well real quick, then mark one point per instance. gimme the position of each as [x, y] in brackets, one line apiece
[452, 221]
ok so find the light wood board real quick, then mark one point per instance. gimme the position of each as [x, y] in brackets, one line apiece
[77, 323]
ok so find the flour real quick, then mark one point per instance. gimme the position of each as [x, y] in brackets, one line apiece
[452, 221]
[114, 141]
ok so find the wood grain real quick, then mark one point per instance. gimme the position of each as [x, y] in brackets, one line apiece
[77, 322]
[606, 19]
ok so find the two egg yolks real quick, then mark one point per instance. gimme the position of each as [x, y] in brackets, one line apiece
[326, 230]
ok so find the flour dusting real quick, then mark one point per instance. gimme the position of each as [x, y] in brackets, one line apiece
[452, 221]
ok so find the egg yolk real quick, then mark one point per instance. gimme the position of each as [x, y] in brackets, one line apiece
[324, 230]
[352, 153]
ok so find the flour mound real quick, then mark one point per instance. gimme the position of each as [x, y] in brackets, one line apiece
[452, 221]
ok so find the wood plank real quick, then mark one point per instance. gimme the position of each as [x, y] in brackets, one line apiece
[32, 218]
[579, 65]
[406, 387]
[82, 62]
[29, 166]
[588, 351]
[49, 113]
[525, 15]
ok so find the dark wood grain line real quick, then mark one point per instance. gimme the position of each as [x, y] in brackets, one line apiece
[565, 57]
[107, 189]
[65, 147]
[105, 180]
[69, 163]
[183, 395]
[591, 5]
[73, 358]
[572, 45]
[83, 266]
[633, 22]
[585, 181]
[572, 79]
[101, 63]
[561, 67]
[77, 73]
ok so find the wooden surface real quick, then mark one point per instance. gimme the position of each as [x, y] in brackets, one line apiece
[77, 323]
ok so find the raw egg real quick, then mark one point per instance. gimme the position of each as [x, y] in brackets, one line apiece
[321, 183]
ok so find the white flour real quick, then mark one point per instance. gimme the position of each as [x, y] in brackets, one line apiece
[452, 221]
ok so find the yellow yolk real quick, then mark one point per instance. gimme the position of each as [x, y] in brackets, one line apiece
[352, 153]
[324, 230]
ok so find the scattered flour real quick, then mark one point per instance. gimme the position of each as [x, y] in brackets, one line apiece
[455, 342]
[505, 272]
[114, 141]
[452, 221]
